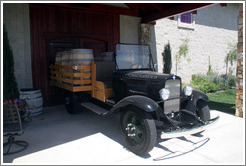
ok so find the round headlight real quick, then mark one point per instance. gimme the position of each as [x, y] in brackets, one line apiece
[188, 90]
[164, 93]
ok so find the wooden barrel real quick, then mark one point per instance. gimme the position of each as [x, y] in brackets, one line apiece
[65, 61]
[58, 59]
[81, 56]
[65, 57]
[34, 100]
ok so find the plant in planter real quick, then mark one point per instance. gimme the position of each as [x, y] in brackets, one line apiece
[22, 105]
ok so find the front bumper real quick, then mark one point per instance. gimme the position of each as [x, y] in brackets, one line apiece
[183, 132]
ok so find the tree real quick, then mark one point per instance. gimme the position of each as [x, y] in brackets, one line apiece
[10, 89]
[183, 51]
[231, 55]
[167, 59]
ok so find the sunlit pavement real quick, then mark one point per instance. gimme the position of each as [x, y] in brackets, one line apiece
[56, 137]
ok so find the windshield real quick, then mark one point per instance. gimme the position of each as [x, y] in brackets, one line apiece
[133, 56]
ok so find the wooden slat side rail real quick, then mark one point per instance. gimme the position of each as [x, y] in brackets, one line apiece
[73, 78]
[71, 88]
[71, 67]
[101, 93]
[70, 81]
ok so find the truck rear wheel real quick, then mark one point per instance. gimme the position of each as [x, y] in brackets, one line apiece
[138, 130]
[73, 103]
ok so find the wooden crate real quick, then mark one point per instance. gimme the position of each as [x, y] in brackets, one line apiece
[75, 78]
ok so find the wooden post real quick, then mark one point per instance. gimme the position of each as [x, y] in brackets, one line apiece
[93, 78]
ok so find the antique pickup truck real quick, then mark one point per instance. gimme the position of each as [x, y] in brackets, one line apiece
[151, 104]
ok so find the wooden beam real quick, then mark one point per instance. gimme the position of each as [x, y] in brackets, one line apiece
[156, 6]
[194, 12]
[178, 9]
[223, 4]
[96, 7]
[171, 18]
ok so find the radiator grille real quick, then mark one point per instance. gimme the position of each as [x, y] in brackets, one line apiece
[173, 104]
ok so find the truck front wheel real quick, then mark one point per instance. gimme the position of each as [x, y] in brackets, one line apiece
[138, 130]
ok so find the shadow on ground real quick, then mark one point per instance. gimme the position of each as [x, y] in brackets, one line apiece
[223, 107]
[55, 127]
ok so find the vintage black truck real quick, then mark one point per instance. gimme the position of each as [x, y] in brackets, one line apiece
[151, 104]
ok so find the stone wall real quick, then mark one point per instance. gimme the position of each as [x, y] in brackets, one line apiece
[214, 28]
[146, 33]
[239, 97]
[16, 20]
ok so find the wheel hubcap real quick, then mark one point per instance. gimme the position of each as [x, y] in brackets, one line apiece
[131, 130]
[134, 129]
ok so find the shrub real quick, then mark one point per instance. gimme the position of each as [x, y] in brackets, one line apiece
[232, 81]
[229, 81]
[211, 83]
[10, 89]
[167, 59]
[204, 84]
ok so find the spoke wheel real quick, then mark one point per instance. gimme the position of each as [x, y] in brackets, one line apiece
[139, 130]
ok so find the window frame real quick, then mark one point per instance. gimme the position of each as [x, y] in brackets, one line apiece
[187, 25]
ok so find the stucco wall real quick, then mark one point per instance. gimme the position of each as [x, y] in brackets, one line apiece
[16, 20]
[214, 28]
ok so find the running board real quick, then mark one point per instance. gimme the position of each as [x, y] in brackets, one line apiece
[98, 110]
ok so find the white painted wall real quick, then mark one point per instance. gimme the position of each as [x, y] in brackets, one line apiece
[129, 29]
[214, 28]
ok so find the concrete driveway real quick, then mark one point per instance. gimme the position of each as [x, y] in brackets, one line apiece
[56, 137]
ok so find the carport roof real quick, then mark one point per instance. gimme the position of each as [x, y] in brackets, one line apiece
[149, 12]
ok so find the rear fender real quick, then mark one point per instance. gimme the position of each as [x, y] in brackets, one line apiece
[196, 95]
[142, 102]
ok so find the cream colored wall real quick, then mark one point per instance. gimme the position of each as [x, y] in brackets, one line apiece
[215, 27]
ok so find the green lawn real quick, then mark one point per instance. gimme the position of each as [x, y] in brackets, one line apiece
[223, 101]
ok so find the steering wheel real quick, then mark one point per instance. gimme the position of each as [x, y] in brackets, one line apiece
[136, 66]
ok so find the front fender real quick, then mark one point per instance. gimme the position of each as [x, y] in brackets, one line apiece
[142, 102]
[196, 95]
[199, 95]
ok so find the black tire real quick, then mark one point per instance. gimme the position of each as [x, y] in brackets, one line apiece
[73, 103]
[142, 124]
[203, 110]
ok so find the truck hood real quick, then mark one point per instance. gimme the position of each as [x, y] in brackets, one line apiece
[145, 75]
[147, 83]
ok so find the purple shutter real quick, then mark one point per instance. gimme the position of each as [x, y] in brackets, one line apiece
[186, 18]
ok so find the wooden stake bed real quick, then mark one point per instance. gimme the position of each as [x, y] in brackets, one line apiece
[74, 78]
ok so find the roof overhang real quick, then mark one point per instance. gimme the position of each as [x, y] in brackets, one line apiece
[149, 12]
